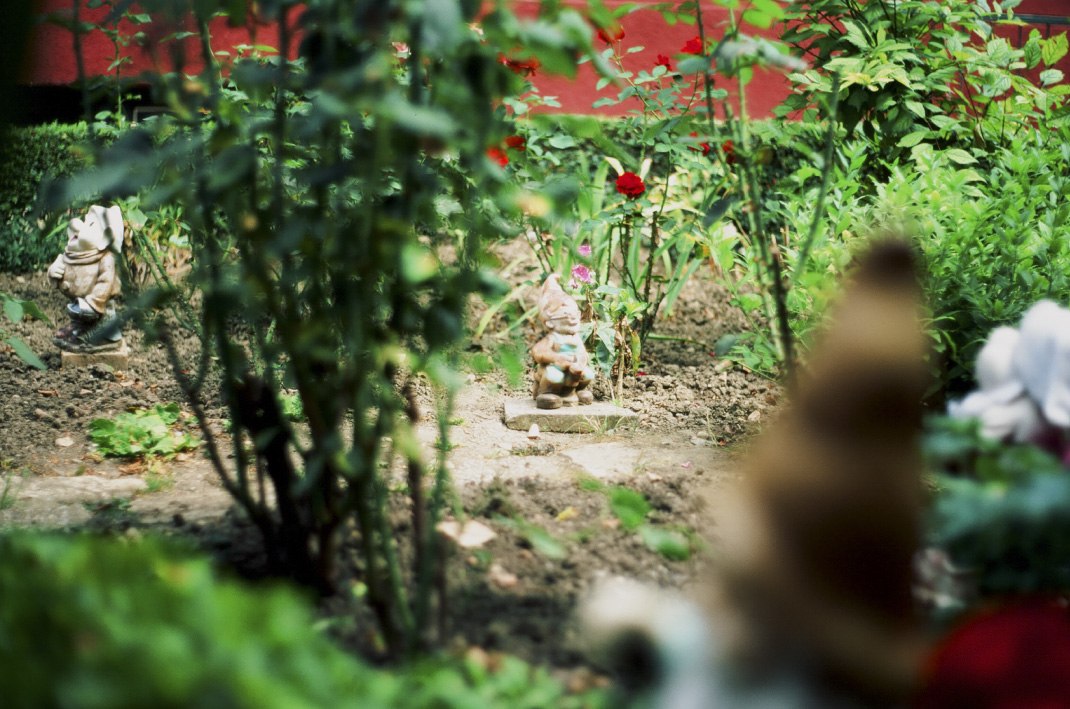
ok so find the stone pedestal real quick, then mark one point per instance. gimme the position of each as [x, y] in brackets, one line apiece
[116, 359]
[597, 417]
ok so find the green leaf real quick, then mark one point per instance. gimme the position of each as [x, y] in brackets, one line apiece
[34, 311]
[757, 18]
[1050, 76]
[540, 540]
[693, 65]
[855, 35]
[13, 310]
[1053, 49]
[24, 353]
[562, 141]
[418, 265]
[960, 156]
[725, 343]
[629, 506]
[911, 139]
[671, 545]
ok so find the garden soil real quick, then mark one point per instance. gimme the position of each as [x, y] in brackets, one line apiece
[513, 595]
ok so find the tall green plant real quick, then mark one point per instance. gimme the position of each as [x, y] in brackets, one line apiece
[318, 191]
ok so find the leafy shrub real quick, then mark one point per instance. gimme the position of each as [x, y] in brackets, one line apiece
[994, 242]
[147, 432]
[91, 622]
[32, 156]
[1001, 511]
[96, 623]
[912, 71]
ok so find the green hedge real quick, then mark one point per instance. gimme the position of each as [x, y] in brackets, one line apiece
[30, 156]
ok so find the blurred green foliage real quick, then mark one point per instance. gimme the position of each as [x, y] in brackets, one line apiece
[33, 156]
[93, 622]
[1002, 511]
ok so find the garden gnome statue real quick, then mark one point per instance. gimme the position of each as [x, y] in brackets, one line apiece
[563, 369]
[86, 273]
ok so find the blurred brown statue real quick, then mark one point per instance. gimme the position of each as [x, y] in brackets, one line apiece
[811, 604]
[86, 273]
[563, 371]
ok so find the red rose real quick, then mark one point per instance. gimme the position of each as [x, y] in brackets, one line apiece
[1014, 656]
[729, 150]
[611, 35]
[693, 46]
[630, 185]
[704, 147]
[498, 155]
[663, 61]
[524, 67]
[516, 142]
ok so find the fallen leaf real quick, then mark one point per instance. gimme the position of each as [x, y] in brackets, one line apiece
[133, 468]
[48, 392]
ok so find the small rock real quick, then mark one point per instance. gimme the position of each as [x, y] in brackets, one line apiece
[533, 432]
[470, 536]
[501, 578]
[64, 441]
[42, 414]
[755, 415]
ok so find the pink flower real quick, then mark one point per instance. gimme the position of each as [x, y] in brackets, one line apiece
[583, 274]
[693, 46]
[498, 155]
[584, 250]
[630, 185]
[664, 61]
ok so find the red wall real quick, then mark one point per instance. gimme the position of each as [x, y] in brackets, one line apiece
[52, 59]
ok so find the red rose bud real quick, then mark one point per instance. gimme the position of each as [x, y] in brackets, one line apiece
[630, 185]
[516, 142]
[692, 46]
[704, 147]
[611, 35]
[664, 61]
[498, 156]
[524, 67]
[729, 150]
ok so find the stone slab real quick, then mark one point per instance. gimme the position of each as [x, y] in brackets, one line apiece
[116, 359]
[519, 414]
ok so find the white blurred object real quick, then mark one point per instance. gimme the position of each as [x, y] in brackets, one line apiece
[1023, 377]
[1042, 360]
[651, 637]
